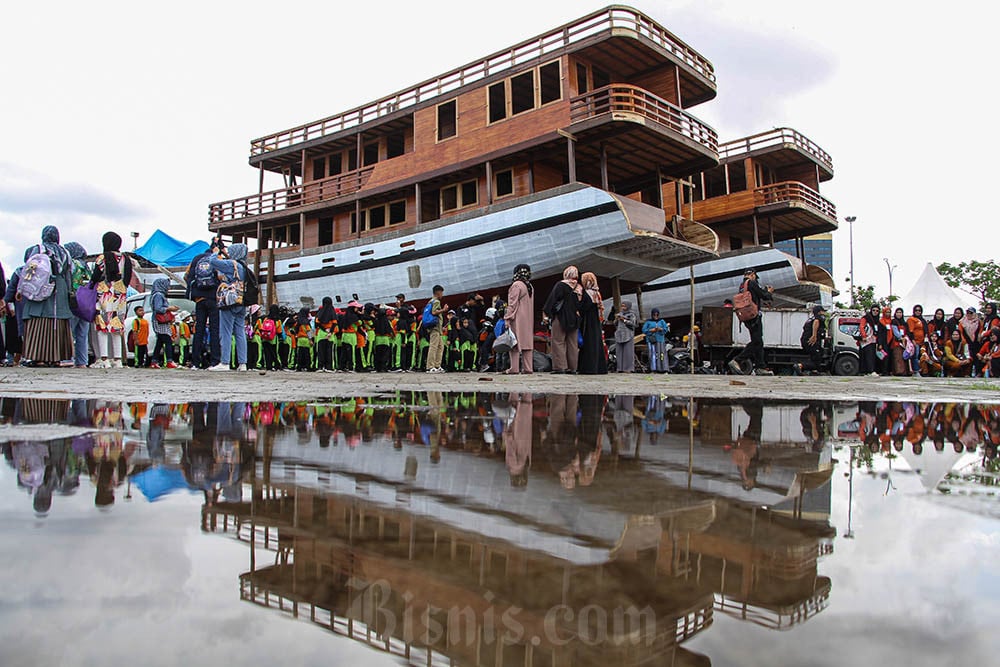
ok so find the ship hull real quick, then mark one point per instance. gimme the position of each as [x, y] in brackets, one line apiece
[574, 224]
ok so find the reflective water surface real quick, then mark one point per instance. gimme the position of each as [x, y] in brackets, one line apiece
[487, 529]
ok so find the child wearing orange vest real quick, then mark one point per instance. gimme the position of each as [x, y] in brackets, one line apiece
[140, 334]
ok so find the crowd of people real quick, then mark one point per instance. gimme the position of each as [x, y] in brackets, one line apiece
[57, 301]
[966, 344]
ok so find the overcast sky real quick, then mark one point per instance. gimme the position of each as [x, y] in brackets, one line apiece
[117, 115]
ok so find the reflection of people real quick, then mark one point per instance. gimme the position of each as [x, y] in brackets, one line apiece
[746, 449]
[517, 439]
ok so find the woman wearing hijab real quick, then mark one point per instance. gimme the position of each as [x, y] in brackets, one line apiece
[160, 306]
[229, 264]
[918, 333]
[938, 324]
[326, 336]
[593, 360]
[868, 332]
[301, 335]
[562, 310]
[79, 327]
[113, 273]
[520, 317]
[47, 336]
[625, 324]
[899, 335]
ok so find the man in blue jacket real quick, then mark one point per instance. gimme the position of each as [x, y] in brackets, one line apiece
[202, 283]
[655, 330]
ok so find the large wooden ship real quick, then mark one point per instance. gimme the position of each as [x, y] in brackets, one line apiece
[554, 151]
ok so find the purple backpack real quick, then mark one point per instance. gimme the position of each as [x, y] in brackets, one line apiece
[36, 279]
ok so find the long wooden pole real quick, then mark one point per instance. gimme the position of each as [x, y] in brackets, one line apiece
[691, 330]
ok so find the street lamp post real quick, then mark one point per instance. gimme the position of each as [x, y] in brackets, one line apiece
[850, 226]
[890, 267]
[135, 240]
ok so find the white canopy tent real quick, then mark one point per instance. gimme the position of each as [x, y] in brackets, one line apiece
[932, 292]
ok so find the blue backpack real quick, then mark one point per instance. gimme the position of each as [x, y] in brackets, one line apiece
[429, 319]
[205, 276]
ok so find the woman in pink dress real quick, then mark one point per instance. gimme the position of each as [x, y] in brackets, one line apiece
[520, 317]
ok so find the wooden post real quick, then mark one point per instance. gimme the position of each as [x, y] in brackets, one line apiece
[616, 293]
[756, 233]
[256, 255]
[304, 157]
[271, 296]
[531, 176]
[659, 187]
[571, 158]
[489, 182]
[357, 216]
[691, 330]
[725, 169]
[770, 230]
[419, 203]
[604, 166]
[260, 184]
[677, 85]
[638, 302]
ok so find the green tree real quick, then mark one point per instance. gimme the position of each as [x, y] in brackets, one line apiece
[864, 297]
[981, 279]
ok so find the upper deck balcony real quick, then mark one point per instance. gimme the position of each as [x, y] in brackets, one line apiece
[782, 210]
[778, 148]
[615, 34]
[640, 122]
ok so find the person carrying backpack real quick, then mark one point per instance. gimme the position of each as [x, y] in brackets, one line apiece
[229, 264]
[754, 350]
[269, 330]
[44, 289]
[202, 283]
[79, 326]
[813, 338]
[431, 321]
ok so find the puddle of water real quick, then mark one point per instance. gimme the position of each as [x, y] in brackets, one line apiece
[511, 529]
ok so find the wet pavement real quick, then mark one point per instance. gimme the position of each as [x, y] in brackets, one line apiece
[501, 528]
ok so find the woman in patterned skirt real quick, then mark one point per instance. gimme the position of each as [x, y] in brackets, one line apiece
[113, 272]
[47, 337]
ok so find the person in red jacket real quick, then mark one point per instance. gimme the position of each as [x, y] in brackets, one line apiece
[918, 334]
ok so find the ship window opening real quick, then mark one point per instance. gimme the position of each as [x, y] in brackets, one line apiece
[470, 193]
[447, 120]
[325, 236]
[319, 168]
[522, 92]
[397, 212]
[371, 153]
[737, 176]
[550, 82]
[352, 159]
[715, 182]
[735, 243]
[504, 183]
[376, 217]
[449, 198]
[280, 235]
[294, 234]
[354, 221]
[498, 101]
[336, 164]
[581, 78]
[395, 145]
[601, 78]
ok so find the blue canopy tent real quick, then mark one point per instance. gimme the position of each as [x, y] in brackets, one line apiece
[160, 247]
[159, 481]
[184, 256]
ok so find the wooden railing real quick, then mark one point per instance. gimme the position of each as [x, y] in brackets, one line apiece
[614, 18]
[286, 198]
[773, 138]
[621, 98]
[793, 191]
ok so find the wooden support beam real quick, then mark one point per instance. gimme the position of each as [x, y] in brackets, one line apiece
[531, 176]
[616, 293]
[571, 158]
[260, 183]
[770, 230]
[756, 232]
[604, 166]
[638, 303]
[489, 182]
[418, 195]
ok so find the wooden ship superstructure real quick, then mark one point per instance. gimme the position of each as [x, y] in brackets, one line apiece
[551, 152]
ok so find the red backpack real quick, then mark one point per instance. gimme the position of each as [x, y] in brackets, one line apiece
[268, 329]
[743, 304]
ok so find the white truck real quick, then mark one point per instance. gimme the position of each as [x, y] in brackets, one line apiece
[723, 336]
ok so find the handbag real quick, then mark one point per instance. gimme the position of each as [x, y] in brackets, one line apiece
[86, 302]
[164, 318]
[505, 342]
[909, 350]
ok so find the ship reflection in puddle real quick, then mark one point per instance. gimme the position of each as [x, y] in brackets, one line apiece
[514, 529]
